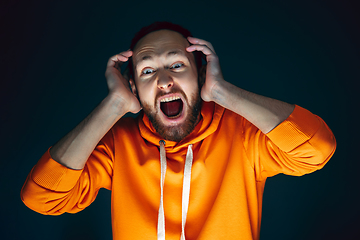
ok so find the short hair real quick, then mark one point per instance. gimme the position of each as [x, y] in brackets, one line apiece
[156, 26]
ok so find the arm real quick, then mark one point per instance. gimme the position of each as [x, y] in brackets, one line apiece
[75, 148]
[56, 184]
[301, 144]
[265, 113]
[293, 142]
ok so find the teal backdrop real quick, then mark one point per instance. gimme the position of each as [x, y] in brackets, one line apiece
[53, 57]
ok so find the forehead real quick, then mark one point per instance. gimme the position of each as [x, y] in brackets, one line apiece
[159, 43]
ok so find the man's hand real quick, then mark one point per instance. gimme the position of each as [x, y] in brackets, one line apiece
[213, 71]
[118, 85]
[74, 149]
[265, 113]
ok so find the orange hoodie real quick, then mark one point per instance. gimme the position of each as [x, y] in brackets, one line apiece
[231, 161]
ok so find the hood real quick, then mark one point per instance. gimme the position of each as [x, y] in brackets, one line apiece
[211, 114]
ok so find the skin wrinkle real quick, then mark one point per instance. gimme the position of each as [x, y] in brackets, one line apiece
[147, 56]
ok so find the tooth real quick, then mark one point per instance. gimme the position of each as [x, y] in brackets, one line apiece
[169, 99]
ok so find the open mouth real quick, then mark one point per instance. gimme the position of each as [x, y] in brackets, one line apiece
[171, 106]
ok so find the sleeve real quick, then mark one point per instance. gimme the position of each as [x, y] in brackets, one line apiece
[301, 144]
[53, 189]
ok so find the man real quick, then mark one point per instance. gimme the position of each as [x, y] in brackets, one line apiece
[184, 168]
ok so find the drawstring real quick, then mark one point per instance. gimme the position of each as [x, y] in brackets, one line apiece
[185, 191]
[161, 216]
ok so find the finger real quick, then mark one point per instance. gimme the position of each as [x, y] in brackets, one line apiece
[118, 59]
[202, 48]
[201, 42]
[127, 53]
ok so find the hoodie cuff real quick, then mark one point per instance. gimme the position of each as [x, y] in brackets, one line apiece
[53, 176]
[298, 128]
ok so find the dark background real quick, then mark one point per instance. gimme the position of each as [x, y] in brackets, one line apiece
[53, 58]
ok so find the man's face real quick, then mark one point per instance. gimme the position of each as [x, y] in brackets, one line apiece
[166, 82]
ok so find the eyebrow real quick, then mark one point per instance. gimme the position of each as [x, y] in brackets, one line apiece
[171, 53]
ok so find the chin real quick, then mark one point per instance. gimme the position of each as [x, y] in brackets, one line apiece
[180, 125]
[175, 133]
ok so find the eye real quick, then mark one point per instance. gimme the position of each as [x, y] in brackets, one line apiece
[147, 71]
[176, 65]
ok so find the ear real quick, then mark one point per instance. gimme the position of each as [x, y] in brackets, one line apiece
[202, 74]
[133, 87]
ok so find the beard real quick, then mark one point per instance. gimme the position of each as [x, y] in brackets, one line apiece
[180, 131]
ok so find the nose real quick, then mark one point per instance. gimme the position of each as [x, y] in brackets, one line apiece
[165, 81]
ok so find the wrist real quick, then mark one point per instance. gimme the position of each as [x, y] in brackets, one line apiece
[220, 92]
[115, 104]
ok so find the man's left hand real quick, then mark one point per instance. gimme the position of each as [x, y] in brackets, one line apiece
[213, 71]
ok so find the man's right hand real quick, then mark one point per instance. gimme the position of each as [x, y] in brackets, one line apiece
[74, 149]
[118, 85]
